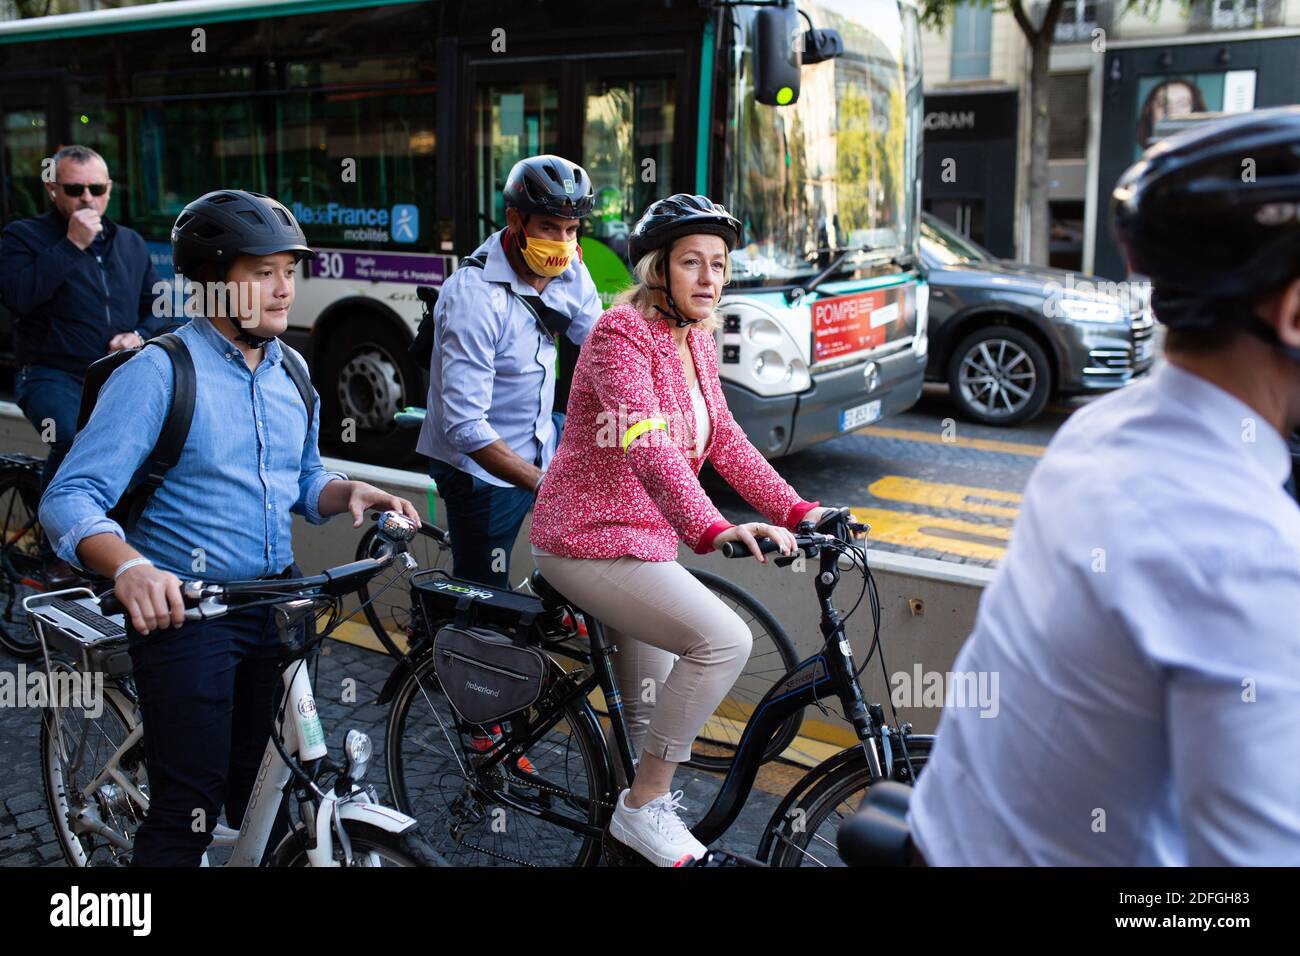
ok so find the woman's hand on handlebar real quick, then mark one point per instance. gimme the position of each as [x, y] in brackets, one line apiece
[747, 535]
[150, 597]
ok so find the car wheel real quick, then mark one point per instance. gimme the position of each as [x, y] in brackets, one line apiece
[365, 376]
[999, 375]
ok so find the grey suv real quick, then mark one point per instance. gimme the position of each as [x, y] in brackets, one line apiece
[1007, 336]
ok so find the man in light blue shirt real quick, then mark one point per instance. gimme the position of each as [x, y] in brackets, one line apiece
[490, 429]
[1145, 622]
[222, 513]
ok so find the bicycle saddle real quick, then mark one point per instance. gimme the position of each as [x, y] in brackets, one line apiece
[877, 834]
[551, 598]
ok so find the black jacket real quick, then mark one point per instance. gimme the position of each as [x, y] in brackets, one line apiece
[66, 304]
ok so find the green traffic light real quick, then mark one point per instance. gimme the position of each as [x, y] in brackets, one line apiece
[85, 118]
[784, 96]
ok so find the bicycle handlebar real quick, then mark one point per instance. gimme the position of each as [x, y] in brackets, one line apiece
[204, 601]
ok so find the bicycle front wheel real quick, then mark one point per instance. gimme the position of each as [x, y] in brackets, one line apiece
[371, 846]
[808, 833]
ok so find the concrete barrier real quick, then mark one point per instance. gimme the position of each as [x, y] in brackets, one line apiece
[927, 607]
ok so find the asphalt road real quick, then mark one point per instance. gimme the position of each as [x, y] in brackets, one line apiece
[928, 482]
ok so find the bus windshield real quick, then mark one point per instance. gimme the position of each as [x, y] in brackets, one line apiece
[837, 170]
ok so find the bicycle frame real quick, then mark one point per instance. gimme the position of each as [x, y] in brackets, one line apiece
[299, 730]
[830, 672]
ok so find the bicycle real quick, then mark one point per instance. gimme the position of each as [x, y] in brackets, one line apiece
[393, 623]
[539, 786]
[94, 772]
[26, 558]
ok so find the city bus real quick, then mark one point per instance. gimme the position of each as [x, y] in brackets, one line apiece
[388, 128]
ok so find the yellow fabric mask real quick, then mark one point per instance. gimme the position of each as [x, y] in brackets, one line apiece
[548, 257]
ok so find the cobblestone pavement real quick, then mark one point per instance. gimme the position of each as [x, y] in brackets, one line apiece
[27, 835]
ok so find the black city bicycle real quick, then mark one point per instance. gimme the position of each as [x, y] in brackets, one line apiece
[390, 611]
[539, 787]
[27, 563]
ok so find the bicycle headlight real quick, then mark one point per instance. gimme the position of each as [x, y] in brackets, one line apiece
[358, 749]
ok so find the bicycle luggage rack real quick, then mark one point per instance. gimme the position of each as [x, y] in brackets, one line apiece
[107, 653]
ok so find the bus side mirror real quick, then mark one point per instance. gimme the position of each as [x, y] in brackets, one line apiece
[782, 50]
[777, 42]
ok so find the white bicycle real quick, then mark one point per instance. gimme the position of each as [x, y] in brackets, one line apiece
[92, 753]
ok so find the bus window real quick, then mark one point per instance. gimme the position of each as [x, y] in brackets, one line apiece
[24, 138]
[627, 149]
[183, 148]
[511, 121]
[355, 146]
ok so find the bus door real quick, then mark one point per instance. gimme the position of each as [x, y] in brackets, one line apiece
[618, 115]
[30, 130]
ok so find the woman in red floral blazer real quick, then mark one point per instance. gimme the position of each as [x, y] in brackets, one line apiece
[645, 410]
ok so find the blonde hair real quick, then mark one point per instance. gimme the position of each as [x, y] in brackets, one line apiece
[650, 276]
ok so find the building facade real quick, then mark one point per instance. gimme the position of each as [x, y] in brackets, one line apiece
[1115, 75]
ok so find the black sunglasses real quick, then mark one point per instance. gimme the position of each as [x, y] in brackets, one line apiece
[76, 189]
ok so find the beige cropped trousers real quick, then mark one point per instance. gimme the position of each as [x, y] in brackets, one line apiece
[680, 648]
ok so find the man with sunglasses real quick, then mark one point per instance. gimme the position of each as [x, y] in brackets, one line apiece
[79, 286]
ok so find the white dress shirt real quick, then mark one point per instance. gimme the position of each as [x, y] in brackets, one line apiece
[1145, 629]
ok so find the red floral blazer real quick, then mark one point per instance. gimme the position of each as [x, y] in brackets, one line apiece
[624, 480]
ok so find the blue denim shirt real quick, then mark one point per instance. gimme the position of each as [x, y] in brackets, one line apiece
[493, 369]
[223, 512]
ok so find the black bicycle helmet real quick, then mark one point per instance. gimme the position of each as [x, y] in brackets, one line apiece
[549, 186]
[222, 225]
[1212, 217]
[681, 215]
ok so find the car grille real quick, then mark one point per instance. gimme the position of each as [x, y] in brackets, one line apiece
[1138, 357]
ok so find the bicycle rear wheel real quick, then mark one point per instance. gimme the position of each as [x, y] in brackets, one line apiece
[772, 657]
[807, 835]
[386, 598]
[23, 556]
[76, 745]
[493, 818]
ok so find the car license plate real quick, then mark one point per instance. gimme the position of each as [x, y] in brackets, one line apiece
[859, 415]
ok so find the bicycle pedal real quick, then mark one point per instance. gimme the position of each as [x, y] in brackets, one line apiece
[620, 854]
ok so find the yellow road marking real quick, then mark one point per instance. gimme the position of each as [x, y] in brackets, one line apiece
[966, 538]
[948, 497]
[980, 444]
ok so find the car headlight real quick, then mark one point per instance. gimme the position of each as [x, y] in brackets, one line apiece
[1092, 310]
[771, 368]
[764, 333]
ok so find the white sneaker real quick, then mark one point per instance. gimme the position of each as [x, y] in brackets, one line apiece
[655, 830]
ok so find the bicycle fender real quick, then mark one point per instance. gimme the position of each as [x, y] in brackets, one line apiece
[395, 680]
[385, 818]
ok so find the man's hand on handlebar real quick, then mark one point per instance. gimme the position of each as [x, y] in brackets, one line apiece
[150, 597]
[747, 535]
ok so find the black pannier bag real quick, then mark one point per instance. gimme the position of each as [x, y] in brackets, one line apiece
[481, 655]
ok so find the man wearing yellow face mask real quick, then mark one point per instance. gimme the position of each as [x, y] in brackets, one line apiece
[492, 426]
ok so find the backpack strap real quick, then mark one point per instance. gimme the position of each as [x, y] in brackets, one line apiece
[175, 430]
[302, 381]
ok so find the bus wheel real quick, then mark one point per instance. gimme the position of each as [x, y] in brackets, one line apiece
[365, 377]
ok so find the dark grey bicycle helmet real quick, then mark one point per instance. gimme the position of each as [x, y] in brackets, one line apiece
[549, 186]
[222, 225]
[1212, 217]
[666, 220]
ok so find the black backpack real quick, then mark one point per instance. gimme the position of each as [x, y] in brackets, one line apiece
[555, 322]
[171, 440]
